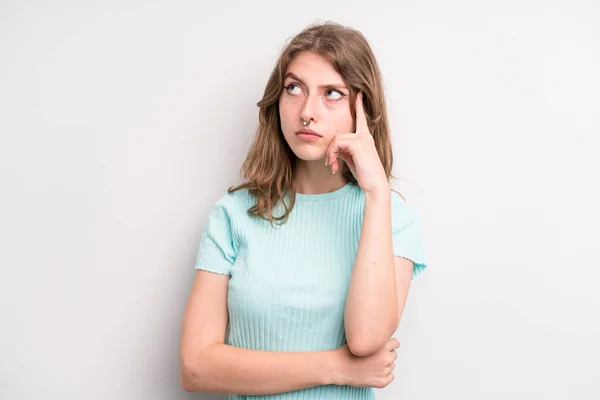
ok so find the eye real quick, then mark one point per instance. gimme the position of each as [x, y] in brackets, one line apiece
[290, 87]
[339, 95]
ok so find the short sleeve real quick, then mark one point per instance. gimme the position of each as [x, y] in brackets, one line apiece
[407, 233]
[216, 252]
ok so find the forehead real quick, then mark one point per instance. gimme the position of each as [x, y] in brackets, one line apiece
[312, 67]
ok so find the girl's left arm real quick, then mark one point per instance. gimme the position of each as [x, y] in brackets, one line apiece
[380, 282]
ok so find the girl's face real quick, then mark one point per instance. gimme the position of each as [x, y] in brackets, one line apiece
[314, 91]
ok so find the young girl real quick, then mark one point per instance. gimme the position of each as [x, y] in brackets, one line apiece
[303, 270]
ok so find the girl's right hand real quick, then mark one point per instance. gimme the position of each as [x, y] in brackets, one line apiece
[369, 371]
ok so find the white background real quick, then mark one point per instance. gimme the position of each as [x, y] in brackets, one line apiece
[122, 122]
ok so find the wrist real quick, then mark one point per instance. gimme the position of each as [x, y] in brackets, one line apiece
[333, 368]
[381, 192]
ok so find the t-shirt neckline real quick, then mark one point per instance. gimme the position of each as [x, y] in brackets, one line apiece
[324, 196]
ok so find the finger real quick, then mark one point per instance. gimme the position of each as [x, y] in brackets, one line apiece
[347, 157]
[361, 118]
[391, 378]
[344, 155]
[393, 343]
[341, 142]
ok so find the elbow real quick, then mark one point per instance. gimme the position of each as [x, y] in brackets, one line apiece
[363, 348]
[189, 378]
[366, 343]
[194, 371]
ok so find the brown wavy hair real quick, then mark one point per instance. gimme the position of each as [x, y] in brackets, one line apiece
[269, 166]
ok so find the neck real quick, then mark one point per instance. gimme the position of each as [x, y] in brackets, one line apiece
[314, 177]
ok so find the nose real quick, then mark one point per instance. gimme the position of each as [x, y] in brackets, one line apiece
[311, 104]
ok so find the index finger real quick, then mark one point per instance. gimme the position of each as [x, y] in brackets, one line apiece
[361, 118]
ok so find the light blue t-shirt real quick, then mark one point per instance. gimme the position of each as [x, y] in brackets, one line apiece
[289, 283]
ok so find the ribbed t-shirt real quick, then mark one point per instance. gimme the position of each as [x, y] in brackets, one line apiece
[289, 283]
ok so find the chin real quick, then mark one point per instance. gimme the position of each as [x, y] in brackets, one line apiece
[308, 154]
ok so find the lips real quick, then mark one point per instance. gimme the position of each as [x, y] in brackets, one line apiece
[307, 132]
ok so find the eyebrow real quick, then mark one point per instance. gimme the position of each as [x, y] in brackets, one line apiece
[336, 85]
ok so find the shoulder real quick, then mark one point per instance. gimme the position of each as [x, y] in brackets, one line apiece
[233, 204]
[399, 203]
[403, 212]
[397, 200]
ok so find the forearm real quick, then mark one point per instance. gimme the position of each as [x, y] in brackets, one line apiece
[371, 304]
[226, 369]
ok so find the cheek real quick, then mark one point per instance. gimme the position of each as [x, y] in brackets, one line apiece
[286, 116]
[289, 111]
[288, 107]
[342, 121]
[284, 110]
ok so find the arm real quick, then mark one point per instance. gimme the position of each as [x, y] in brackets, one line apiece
[222, 368]
[373, 307]
[208, 365]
